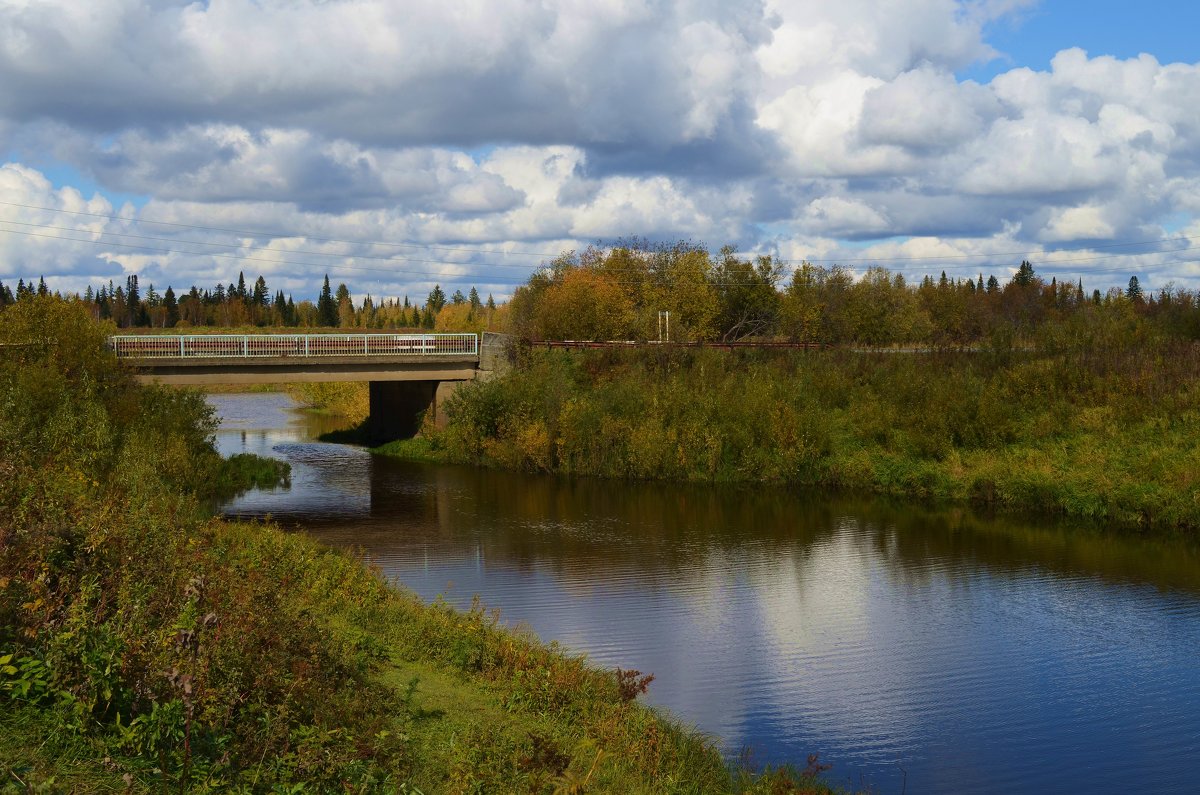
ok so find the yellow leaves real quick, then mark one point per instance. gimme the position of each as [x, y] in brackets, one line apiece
[585, 305]
[534, 445]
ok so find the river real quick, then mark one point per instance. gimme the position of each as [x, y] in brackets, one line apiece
[914, 649]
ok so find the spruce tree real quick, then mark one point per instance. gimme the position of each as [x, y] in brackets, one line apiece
[1025, 275]
[491, 302]
[473, 297]
[172, 306]
[261, 293]
[133, 302]
[437, 299]
[326, 308]
[1134, 291]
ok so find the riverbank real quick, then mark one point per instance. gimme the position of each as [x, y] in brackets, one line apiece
[1100, 434]
[145, 644]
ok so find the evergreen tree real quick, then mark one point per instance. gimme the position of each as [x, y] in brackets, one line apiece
[133, 302]
[326, 308]
[491, 302]
[437, 299]
[1096, 297]
[993, 285]
[172, 307]
[5, 296]
[104, 301]
[1134, 291]
[458, 298]
[261, 293]
[42, 286]
[241, 286]
[473, 297]
[416, 317]
[291, 312]
[1025, 275]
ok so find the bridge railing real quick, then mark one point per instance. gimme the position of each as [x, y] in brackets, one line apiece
[240, 346]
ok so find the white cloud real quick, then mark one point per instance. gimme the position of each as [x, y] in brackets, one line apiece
[518, 125]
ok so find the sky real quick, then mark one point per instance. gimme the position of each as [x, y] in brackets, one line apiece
[398, 145]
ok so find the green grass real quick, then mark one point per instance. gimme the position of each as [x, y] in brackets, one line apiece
[419, 448]
[37, 756]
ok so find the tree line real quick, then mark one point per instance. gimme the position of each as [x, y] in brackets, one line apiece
[618, 293]
[239, 305]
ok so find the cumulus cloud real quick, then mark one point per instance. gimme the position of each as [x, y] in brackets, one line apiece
[788, 125]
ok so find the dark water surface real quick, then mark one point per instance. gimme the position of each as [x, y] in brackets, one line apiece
[923, 650]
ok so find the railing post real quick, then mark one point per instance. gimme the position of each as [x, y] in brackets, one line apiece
[245, 345]
[306, 345]
[365, 343]
[181, 338]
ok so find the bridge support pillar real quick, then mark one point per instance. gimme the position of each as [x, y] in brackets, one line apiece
[397, 408]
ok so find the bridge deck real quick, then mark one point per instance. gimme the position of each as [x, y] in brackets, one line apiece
[204, 359]
[289, 346]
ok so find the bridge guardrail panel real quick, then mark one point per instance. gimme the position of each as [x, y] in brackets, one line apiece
[276, 346]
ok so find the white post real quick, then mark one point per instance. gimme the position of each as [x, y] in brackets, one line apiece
[181, 338]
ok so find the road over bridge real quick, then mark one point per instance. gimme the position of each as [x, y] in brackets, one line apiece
[409, 374]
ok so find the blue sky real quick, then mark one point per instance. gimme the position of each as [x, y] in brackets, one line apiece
[1167, 29]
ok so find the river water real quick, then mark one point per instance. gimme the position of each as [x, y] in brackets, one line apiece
[915, 650]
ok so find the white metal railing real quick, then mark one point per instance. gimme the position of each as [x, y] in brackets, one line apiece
[239, 346]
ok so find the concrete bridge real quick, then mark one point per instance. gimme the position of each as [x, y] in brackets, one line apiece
[409, 374]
